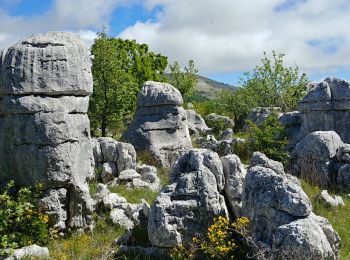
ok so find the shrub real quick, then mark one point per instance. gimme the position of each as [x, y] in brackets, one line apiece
[22, 222]
[270, 138]
[224, 240]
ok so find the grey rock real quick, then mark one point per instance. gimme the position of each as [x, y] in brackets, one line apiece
[146, 209]
[119, 217]
[138, 183]
[101, 192]
[196, 123]
[333, 201]
[289, 119]
[147, 172]
[343, 153]
[54, 204]
[188, 205]
[128, 175]
[343, 178]
[50, 64]
[312, 157]
[327, 107]
[29, 252]
[304, 239]
[215, 119]
[96, 150]
[200, 160]
[270, 200]
[122, 154]
[45, 83]
[234, 172]
[157, 94]
[109, 171]
[260, 159]
[113, 200]
[159, 125]
[227, 134]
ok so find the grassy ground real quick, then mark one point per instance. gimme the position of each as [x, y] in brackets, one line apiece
[338, 217]
[97, 244]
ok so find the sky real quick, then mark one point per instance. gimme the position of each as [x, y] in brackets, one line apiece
[225, 38]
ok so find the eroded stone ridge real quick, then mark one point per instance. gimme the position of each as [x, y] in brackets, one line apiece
[160, 124]
[327, 107]
[45, 83]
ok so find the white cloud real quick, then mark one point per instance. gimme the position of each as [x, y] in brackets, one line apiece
[231, 35]
[65, 15]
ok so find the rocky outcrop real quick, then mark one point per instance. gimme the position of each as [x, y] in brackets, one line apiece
[188, 205]
[196, 123]
[292, 122]
[160, 124]
[281, 217]
[327, 107]
[234, 172]
[45, 83]
[313, 157]
[258, 115]
[113, 157]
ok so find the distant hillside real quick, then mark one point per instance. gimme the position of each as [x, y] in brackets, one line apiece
[208, 87]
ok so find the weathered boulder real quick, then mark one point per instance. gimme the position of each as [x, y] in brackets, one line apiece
[120, 156]
[306, 238]
[329, 200]
[160, 124]
[327, 107]
[215, 120]
[312, 157]
[196, 123]
[30, 252]
[188, 205]
[343, 153]
[234, 172]
[281, 217]
[45, 83]
[271, 200]
[260, 159]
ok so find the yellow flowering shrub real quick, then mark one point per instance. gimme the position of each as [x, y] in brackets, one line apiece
[222, 241]
[22, 223]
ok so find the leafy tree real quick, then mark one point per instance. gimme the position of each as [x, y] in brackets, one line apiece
[119, 68]
[185, 81]
[271, 84]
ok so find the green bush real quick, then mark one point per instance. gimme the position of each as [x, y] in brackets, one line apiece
[22, 222]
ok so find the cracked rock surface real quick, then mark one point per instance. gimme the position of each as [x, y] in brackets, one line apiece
[160, 124]
[45, 83]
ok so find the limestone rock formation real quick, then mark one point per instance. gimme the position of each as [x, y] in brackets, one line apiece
[188, 205]
[196, 123]
[29, 252]
[224, 121]
[312, 157]
[234, 172]
[327, 107]
[258, 115]
[45, 83]
[160, 124]
[281, 217]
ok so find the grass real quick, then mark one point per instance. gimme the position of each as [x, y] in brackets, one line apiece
[339, 217]
[135, 195]
[97, 244]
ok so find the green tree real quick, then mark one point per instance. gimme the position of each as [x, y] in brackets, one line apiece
[271, 84]
[119, 68]
[184, 80]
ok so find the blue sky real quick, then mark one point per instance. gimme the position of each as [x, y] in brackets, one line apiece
[225, 37]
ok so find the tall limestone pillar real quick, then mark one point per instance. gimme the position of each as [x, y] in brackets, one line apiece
[45, 83]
